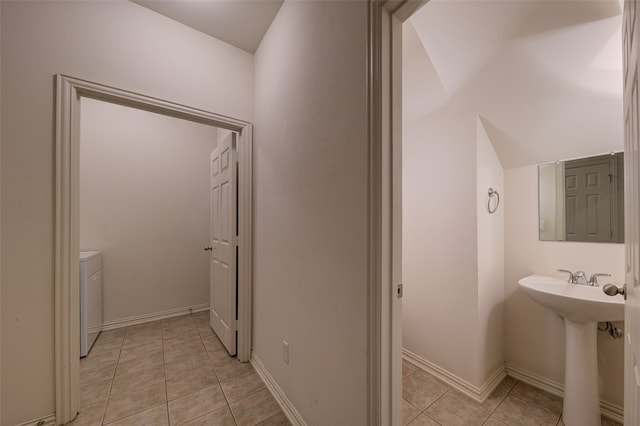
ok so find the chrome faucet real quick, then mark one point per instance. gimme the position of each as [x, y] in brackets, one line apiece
[593, 281]
[579, 277]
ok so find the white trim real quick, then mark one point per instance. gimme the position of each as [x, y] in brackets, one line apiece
[378, 324]
[384, 224]
[140, 319]
[49, 420]
[474, 392]
[69, 92]
[607, 409]
[281, 398]
[245, 243]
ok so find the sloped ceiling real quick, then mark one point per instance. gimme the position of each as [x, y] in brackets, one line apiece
[241, 23]
[544, 76]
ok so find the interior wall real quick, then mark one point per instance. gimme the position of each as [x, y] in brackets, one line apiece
[534, 335]
[439, 242]
[310, 276]
[1, 133]
[151, 218]
[490, 257]
[119, 44]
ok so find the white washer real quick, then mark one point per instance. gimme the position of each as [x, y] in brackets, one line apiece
[90, 299]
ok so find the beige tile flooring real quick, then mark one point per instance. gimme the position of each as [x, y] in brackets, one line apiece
[176, 371]
[170, 372]
[429, 402]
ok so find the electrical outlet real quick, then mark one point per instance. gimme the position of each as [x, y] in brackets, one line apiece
[285, 351]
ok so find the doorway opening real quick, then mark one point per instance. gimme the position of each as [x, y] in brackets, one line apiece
[70, 93]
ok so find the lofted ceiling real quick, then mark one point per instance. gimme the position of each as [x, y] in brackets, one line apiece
[545, 77]
[241, 23]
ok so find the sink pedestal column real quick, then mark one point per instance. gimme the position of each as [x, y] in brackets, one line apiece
[581, 395]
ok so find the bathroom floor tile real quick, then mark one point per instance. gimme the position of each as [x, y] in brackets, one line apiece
[423, 420]
[516, 412]
[537, 397]
[452, 411]
[407, 368]
[409, 412]
[420, 391]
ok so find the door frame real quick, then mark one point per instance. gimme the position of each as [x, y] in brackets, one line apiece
[69, 93]
[384, 198]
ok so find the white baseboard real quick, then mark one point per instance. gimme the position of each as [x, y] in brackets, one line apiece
[476, 393]
[139, 319]
[49, 420]
[612, 411]
[285, 404]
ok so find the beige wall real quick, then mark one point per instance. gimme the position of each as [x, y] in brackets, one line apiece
[453, 249]
[115, 43]
[144, 202]
[310, 277]
[534, 335]
[440, 274]
[489, 174]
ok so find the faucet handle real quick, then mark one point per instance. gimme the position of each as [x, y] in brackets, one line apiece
[571, 277]
[594, 278]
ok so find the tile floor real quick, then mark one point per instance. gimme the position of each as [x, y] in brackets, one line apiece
[429, 402]
[176, 372]
[170, 372]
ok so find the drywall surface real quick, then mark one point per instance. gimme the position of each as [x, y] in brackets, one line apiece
[534, 336]
[439, 243]
[115, 43]
[310, 276]
[489, 174]
[144, 202]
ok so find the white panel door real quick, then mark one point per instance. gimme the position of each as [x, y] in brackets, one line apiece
[632, 217]
[223, 229]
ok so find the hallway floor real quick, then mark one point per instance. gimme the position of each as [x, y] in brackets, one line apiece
[176, 372]
[429, 402]
[171, 372]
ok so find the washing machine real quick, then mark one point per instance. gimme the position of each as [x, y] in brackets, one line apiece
[90, 299]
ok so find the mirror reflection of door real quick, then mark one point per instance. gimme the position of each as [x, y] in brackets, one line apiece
[592, 211]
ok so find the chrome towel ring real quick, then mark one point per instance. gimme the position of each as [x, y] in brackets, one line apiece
[493, 192]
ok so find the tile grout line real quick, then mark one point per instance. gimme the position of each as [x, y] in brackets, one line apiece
[164, 369]
[113, 379]
[233, 416]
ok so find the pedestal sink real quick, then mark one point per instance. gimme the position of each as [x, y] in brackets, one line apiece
[582, 307]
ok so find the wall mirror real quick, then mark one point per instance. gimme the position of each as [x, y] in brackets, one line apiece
[582, 199]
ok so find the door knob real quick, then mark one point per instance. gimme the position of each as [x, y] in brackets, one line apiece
[209, 248]
[612, 290]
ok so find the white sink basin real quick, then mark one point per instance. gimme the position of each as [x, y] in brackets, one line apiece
[581, 307]
[579, 303]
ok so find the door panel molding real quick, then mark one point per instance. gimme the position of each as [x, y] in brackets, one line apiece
[69, 92]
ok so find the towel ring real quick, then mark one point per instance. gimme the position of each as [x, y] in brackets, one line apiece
[493, 192]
